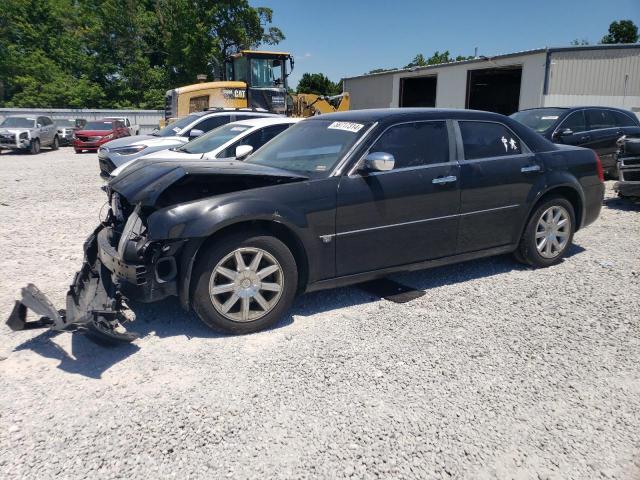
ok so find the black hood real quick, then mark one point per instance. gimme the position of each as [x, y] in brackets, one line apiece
[146, 179]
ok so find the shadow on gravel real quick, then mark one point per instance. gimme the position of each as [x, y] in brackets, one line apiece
[86, 358]
[624, 204]
[166, 319]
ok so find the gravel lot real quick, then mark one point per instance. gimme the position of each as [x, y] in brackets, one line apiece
[499, 371]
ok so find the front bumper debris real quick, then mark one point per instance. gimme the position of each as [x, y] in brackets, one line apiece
[94, 303]
[629, 169]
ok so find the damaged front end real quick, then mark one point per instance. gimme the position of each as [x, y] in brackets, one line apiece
[628, 167]
[120, 263]
[123, 262]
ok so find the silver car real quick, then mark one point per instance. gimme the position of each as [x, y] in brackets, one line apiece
[28, 133]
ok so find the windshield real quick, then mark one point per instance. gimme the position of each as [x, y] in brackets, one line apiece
[19, 122]
[63, 122]
[104, 126]
[266, 72]
[313, 146]
[174, 129]
[539, 119]
[214, 139]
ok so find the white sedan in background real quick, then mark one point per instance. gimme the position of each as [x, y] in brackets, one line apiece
[233, 140]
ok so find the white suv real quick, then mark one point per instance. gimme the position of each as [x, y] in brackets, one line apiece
[234, 140]
[123, 150]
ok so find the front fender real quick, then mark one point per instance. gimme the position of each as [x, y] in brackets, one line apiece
[204, 218]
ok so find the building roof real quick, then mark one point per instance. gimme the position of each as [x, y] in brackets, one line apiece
[484, 58]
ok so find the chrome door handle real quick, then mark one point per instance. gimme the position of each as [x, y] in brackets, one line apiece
[530, 168]
[440, 180]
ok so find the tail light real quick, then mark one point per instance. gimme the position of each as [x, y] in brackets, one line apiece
[599, 168]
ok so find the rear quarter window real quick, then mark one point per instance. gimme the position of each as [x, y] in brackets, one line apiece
[488, 140]
[624, 120]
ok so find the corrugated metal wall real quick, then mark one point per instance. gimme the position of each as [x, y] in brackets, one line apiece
[147, 119]
[595, 72]
[372, 91]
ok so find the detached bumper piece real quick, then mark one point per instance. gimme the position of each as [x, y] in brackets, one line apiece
[94, 304]
[629, 169]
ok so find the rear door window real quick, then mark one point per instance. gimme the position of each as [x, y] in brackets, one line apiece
[599, 119]
[488, 140]
[624, 120]
[576, 122]
[415, 144]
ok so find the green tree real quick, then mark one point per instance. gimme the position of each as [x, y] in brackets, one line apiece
[437, 58]
[624, 31]
[319, 84]
[119, 53]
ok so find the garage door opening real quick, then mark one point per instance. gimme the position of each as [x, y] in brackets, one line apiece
[418, 91]
[494, 89]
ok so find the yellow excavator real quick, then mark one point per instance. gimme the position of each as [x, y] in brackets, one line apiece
[252, 79]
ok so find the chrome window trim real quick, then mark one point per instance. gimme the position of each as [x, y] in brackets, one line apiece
[413, 222]
[337, 171]
[451, 161]
[463, 158]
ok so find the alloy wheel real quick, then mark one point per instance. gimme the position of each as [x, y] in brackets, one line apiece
[553, 231]
[246, 284]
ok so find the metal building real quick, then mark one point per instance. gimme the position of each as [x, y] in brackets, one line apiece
[567, 76]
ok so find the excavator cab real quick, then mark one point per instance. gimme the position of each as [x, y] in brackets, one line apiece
[265, 75]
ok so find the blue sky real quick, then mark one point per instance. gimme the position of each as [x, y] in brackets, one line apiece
[346, 38]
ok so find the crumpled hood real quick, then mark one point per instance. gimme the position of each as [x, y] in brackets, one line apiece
[146, 179]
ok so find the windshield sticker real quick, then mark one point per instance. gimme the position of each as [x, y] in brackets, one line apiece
[321, 168]
[176, 129]
[347, 126]
[550, 117]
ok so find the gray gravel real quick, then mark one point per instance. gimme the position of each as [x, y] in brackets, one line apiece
[499, 371]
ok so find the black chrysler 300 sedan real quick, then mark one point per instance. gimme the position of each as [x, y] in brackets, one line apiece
[339, 199]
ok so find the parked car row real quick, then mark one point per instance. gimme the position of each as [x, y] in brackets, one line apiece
[31, 133]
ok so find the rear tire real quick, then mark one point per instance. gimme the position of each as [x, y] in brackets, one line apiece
[77, 151]
[251, 294]
[548, 234]
[35, 147]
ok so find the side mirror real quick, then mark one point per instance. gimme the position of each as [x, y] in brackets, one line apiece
[195, 133]
[39, 125]
[378, 162]
[563, 133]
[243, 151]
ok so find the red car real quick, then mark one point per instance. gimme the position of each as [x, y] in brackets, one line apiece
[97, 132]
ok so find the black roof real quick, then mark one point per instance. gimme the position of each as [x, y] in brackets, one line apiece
[579, 107]
[395, 114]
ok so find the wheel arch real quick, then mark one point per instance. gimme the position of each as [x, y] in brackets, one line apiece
[195, 248]
[572, 193]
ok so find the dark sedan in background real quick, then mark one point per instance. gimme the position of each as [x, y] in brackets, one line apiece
[597, 128]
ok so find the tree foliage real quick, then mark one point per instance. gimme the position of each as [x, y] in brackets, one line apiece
[624, 31]
[119, 53]
[319, 84]
[437, 58]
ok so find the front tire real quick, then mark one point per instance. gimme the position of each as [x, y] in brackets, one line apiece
[548, 234]
[56, 143]
[243, 283]
[35, 147]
